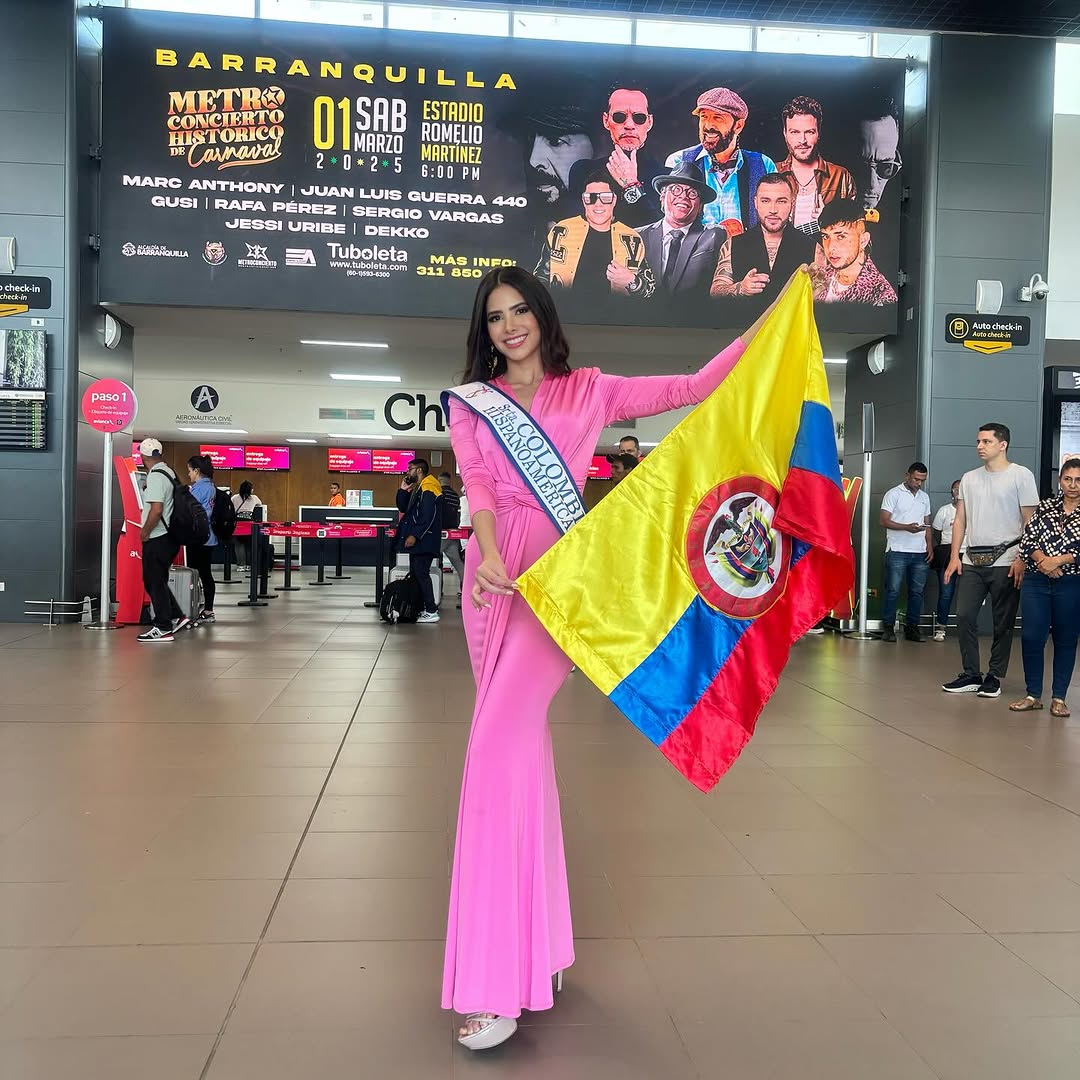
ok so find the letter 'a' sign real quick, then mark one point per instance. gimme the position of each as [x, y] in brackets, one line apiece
[988, 333]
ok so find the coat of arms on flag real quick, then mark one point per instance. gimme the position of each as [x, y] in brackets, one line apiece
[724, 557]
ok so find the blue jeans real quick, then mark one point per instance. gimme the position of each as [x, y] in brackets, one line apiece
[945, 595]
[899, 565]
[1050, 607]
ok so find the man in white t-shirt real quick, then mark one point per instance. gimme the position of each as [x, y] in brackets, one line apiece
[905, 517]
[942, 527]
[995, 504]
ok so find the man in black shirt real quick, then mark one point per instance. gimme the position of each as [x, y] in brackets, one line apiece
[759, 262]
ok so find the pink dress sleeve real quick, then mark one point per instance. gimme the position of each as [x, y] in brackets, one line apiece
[627, 399]
[474, 473]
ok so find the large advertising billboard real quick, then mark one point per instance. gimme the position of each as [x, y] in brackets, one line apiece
[275, 165]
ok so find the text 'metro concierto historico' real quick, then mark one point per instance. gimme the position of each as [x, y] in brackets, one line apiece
[279, 165]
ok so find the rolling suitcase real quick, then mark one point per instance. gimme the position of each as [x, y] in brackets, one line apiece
[401, 568]
[186, 585]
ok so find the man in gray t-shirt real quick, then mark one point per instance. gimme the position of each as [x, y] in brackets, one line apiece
[995, 504]
[158, 548]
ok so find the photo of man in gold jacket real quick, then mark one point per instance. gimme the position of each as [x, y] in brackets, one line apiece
[593, 251]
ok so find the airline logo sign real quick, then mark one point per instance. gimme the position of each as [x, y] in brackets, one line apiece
[988, 333]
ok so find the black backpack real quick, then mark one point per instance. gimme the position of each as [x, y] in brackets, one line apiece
[402, 600]
[451, 509]
[223, 517]
[189, 525]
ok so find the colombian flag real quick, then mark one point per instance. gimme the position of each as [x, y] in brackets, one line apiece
[681, 594]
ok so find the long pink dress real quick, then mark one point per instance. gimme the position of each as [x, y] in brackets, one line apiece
[509, 926]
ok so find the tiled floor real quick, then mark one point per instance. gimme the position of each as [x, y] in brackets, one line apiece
[227, 858]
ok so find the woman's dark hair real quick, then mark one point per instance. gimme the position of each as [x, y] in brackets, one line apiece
[246, 488]
[203, 463]
[554, 348]
[1069, 463]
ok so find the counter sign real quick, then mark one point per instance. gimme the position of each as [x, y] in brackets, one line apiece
[988, 333]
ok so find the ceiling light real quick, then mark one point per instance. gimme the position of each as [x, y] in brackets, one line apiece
[313, 442]
[213, 430]
[357, 437]
[365, 378]
[840, 361]
[346, 344]
[648, 444]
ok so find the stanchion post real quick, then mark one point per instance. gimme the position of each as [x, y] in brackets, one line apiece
[321, 579]
[104, 619]
[254, 558]
[226, 555]
[864, 530]
[288, 586]
[338, 575]
[380, 556]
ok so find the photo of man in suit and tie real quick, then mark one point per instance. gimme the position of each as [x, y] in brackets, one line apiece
[681, 251]
[757, 263]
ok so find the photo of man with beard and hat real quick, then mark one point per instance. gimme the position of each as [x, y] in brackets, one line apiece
[593, 252]
[732, 172]
[757, 263]
[844, 272]
[628, 121]
[680, 250]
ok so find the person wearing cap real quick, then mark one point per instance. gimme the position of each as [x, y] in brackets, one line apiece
[681, 251]
[595, 253]
[817, 181]
[758, 262]
[621, 466]
[732, 172]
[628, 120]
[845, 273]
[158, 548]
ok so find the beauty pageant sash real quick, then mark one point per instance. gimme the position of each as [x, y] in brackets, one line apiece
[527, 446]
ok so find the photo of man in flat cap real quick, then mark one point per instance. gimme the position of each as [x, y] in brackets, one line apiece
[732, 172]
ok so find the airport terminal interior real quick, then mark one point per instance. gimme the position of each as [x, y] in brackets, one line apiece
[248, 234]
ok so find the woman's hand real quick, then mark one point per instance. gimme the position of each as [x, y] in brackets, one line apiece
[491, 578]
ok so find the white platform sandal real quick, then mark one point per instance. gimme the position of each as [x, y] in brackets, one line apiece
[558, 981]
[493, 1031]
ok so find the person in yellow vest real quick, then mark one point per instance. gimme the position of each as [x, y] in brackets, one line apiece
[594, 251]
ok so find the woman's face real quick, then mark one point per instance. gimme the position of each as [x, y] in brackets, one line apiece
[1070, 483]
[193, 474]
[512, 326]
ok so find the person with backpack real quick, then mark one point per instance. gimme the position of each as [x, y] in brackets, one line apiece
[451, 519]
[201, 480]
[159, 549]
[420, 529]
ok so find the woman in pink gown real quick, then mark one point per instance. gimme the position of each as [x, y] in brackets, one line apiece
[509, 926]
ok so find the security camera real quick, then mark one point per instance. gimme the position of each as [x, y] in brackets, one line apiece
[1035, 289]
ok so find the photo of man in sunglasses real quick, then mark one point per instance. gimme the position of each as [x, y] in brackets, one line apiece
[628, 121]
[594, 253]
[879, 146]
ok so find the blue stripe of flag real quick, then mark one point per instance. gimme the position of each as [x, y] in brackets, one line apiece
[815, 443]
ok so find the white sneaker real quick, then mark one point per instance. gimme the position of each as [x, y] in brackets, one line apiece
[428, 617]
[180, 624]
[939, 635]
[155, 635]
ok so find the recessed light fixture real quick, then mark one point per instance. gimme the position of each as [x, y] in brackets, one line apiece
[648, 444]
[839, 362]
[312, 442]
[356, 437]
[346, 344]
[365, 378]
[213, 431]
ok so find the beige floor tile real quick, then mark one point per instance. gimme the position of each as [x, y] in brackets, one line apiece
[870, 904]
[946, 976]
[703, 907]
[403, 1049]
[1057, 956]
[410, 754]
[418, 781]
[342, 985]
[157, 990]
[595, 909]
[219, 815]
[362, 909]
[379, 813]
[1004, 1048]
[743, 978]
[836, 850]
[163, 1057]
[297, 712]
[339, 855]
[736, 811]
[17, 968]
[1014, 903]
[45, 913]
[150, 911]
[218, 856]
[764, 1048]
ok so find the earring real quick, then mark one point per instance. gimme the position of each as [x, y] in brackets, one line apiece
[493, 363]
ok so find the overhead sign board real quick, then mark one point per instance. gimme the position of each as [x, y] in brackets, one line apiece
[263, 165]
